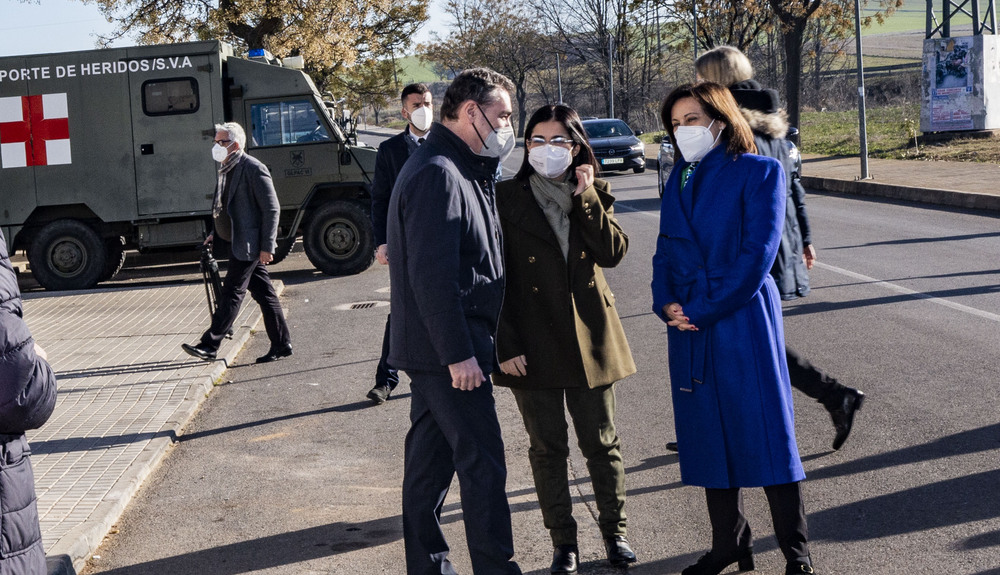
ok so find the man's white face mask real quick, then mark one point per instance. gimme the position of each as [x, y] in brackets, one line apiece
[422, 118]
[219, 154]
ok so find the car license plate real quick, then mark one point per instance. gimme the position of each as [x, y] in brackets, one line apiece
[607, 161]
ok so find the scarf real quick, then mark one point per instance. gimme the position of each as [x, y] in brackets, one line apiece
[555, 198]
[224, 168]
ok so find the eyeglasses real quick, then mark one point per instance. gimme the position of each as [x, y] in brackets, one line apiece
[555, 141]
[223, 142]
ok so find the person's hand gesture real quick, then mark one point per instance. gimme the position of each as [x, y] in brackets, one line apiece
[466, 375]
[516, 366]
[676, 317]
[584, 178]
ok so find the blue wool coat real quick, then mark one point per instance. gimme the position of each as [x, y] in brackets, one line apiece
[729, 380]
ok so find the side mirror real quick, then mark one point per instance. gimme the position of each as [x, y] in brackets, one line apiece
[345, 157]
[638, 133]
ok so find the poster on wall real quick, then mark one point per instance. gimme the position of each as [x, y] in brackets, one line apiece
[951, 100]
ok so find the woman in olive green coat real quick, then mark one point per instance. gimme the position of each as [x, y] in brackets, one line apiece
[560, 341]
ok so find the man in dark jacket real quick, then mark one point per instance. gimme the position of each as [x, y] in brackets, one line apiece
[392, 154]
[246, 210]
[27, 398]
[445, 263]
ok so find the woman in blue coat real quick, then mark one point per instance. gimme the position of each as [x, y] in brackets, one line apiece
[720, 226]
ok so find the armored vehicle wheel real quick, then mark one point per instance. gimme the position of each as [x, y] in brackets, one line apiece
[284, 248]
[68, 255]
[116, 258]
[338, 238]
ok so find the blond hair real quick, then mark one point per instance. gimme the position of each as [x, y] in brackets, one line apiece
[724, 65]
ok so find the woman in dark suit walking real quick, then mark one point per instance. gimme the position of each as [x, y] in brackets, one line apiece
[720, 225]
[560, 341]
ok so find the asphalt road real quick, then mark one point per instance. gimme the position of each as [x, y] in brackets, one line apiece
[288, 470]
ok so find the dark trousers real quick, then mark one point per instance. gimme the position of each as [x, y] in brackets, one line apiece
[811, 381]
[454, 431]
[593, 414]
[730, 530]
[385, 374]
[240, 277]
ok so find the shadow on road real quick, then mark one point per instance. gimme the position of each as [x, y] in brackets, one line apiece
[275, 550]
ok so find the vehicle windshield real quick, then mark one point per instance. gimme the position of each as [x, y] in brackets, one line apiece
[607, 129]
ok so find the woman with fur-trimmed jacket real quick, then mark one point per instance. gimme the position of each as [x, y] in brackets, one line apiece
[27, 398]
[728, 66]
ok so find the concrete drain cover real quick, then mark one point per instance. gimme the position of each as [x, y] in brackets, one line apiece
[361, 305]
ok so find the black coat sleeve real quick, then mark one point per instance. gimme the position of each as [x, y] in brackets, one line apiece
[27, 383]
[799, 199]
[385, 178]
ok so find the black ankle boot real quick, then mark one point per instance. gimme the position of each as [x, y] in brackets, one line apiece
[564, 559]
[798, 568]
[713, 563]
[620, 553]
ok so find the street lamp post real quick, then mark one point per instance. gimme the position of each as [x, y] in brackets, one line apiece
[862, 124]
[611, 76]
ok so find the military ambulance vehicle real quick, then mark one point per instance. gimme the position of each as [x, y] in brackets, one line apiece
[107, 150]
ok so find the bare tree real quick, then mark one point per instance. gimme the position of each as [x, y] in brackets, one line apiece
[497, 34]
[325, 32]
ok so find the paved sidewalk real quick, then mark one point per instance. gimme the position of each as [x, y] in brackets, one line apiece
[969, 185]
[125, 389]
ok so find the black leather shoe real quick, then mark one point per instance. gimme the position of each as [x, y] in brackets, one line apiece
[564, 559]
[713, 563]
[199, 351]
[274, 354]
[797, 568]
[672, 446]
[843, 415]
[620, 554]
[379, 394]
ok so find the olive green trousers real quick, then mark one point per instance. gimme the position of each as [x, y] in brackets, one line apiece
[593, 415]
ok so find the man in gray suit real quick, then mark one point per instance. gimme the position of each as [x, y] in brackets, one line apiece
[245, 210]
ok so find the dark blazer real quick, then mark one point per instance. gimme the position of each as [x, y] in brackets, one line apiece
[445, 257]
[27, 398]
[253, 208]
[392, 154]
[559, 312]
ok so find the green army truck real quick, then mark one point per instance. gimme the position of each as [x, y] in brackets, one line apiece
[107, 150]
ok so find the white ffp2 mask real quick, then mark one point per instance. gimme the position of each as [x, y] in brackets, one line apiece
[550, 161]
[422, 118]
[695, 141]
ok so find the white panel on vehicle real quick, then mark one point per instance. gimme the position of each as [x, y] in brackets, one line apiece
[54, 106]
[57, 152]
[13, 155]
[11, 109]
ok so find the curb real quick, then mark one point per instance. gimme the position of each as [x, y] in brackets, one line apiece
[952, 198]
[70, 553]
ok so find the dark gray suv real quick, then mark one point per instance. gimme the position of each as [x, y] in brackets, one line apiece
[616, 146]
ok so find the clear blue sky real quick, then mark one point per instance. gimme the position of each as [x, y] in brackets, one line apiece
[64, 25]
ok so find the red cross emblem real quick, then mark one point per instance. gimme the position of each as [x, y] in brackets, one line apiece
[34, 131]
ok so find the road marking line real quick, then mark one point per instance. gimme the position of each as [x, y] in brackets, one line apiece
[911, 293]
[870, 280]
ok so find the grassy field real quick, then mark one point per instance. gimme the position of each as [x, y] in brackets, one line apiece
[912, 16]
[415, 71]
[890, 135]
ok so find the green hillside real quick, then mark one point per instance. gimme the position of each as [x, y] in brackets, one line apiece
[415, 71]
